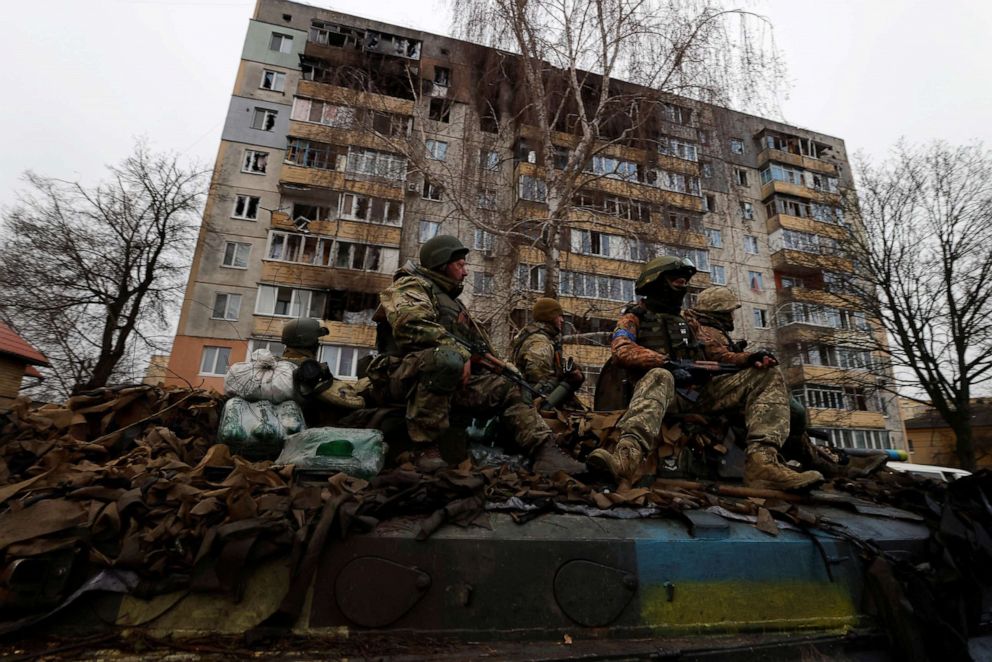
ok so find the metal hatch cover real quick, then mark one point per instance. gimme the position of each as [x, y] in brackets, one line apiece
[373, 592]
[592, 594]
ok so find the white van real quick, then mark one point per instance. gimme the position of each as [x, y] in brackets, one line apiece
[943, 474]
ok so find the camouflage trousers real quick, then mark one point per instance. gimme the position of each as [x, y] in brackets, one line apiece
[485, 395]
[761, 394]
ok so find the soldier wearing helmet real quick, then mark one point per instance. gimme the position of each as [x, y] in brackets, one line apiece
[422, 332]
[713, 314]
[653, 331]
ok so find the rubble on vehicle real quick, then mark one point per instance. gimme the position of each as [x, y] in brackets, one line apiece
[124, 489]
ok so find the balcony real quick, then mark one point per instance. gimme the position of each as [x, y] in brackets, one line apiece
[339, 333]
[842, 418]
[821, 374]
[355, 98]
[799, 190]
[347, 230]
[788, 222]
[292, 274]
[798, 160]
[337, 180]
[803, 263]
[807, 295]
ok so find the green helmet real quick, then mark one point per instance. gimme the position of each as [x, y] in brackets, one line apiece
[665, 264]
[717, 299]
[441, 250]
[302, 333]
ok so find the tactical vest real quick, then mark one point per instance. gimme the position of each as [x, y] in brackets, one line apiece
[668, 334]
[527, 332]
[451, 314]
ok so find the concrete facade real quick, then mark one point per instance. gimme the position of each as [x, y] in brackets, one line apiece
[753, 196]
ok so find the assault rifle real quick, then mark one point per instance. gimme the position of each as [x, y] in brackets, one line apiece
[482, 355]
[697, 373]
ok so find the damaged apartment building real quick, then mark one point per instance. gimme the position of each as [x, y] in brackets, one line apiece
[349, 142]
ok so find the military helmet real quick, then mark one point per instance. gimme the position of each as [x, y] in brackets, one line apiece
[441, 250]
[665, 264]
[302, 333]
[717, 299]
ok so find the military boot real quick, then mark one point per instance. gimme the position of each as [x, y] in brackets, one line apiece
[762, 469]
[549, 460]
[622, 462]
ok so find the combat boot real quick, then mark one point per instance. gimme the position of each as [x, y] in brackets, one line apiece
[622, 462]
[549, 460]
[762, 469]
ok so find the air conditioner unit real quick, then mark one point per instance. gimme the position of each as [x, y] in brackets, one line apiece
[412, 187]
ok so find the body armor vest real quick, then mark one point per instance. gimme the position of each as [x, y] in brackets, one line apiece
[451, 314]
[667, 334]
[527, 332]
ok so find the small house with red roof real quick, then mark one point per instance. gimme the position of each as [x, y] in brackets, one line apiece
[18, 359]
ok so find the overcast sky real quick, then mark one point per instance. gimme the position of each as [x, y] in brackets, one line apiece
[83, 79]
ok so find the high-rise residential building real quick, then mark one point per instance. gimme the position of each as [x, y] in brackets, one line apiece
[350, 142]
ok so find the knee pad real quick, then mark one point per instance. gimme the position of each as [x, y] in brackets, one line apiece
[442, 370]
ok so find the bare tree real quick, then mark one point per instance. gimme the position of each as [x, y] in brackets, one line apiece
[923, 256]
[571, 55]
[90, 272]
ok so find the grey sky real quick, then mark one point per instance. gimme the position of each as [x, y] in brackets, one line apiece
[84, 78]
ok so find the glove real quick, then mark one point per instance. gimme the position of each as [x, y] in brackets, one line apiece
[760, 356]
[574, 378]
[682, 377]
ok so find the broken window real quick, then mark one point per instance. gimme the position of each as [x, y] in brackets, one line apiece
[323, 112]
[741, 175]
[312, 154]
[488, 159]
[289, 302]
[312, 212]
[264, 119]
[389, 124]
[676, 114]
[750, 245]
[255, 162]
[246, 207]
[436, 149]
[680, 149]
[747, 211]
[760, 317]
[273, 80]
[236, 254]
[709, 203]
[427, 230]
[281, 43]
[561, 157]
[332, 34]
[226, 306]
[431, 191]
[390, 44]
[442, 76]
[440, 110]
[215, 360]
[736, 146]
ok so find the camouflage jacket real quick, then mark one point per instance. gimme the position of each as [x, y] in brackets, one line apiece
[423, 311]
[537, 353]
[627, 352]
[717, 343]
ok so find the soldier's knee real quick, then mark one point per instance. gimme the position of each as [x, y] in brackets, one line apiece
[441, 370]
[660, 377]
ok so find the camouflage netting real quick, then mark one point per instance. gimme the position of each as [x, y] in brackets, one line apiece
[130, 479]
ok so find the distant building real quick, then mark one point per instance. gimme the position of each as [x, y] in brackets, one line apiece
[313, 206]
[931, 440]
[157, 370]
[17, 361]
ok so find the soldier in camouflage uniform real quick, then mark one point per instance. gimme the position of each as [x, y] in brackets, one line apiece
[301, 339]
[422, 332]
[653, 331]
[537, 352]
[714, 311]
